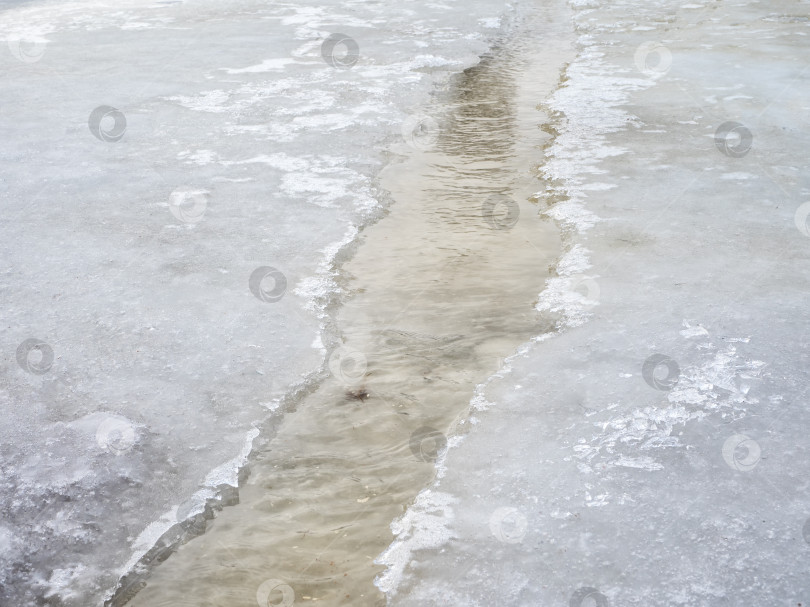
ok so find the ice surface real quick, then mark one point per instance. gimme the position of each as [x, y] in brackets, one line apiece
[131, 244]
[652, 451]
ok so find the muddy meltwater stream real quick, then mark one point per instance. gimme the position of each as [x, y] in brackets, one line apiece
[438, 294]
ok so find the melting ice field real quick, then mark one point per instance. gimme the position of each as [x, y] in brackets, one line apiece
[653, 450]
[184, 187]
[160, 158]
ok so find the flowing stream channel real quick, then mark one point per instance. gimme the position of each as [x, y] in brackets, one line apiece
[439, 291]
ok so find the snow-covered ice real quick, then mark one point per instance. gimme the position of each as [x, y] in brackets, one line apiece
[651, 451]
[180, 181]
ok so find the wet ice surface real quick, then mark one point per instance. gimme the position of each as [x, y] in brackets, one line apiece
[130, 256]
[588, 477]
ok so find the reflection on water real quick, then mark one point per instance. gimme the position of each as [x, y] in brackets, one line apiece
[437, 294]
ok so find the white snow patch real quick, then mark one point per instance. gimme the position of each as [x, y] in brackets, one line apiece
[490, 22]
[268, 65]
[209, 101]
[280, 161]
[720, 383]
[315, 290]
[61, 580]
[560, 295]
[697, 331]
[200, 157]
[424, 525]
[739, 176]
[228, 473]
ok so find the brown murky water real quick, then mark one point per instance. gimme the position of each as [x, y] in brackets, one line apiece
[438, 294]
